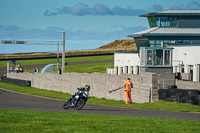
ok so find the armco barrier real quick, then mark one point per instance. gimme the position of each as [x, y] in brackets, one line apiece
[180, 95]
[16, 81]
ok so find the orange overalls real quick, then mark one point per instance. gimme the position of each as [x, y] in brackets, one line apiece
[128, 85]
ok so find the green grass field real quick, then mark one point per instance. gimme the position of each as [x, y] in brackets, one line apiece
[83, 68]
[19, 121]
[89, 68]
[97, 67]
[49, 61]
[160, 105]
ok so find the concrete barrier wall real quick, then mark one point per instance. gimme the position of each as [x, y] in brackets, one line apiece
[145, 85]
[165, 80]
[186, 76]
[22, 76]
[188, 85]
[180, 95]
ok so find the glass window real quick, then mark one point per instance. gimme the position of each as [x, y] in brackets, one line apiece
[159, 43]
[126, 69]
[156, 43]
[179, 42]
[182, 68]
[149, 57]
[152, 22]
[121, 68]
[175, 18]
[191, 67]
[167, 57]
[158, 57]
[163, 22]
[187, 42]
[152, 42]
[195, 41]
[132, 70]
[167, 24]
[164, 19]
[158, 22]
[166, 42]
[173, 23]
[173, 42]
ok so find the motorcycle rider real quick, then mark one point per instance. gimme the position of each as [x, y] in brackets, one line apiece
[86, 90]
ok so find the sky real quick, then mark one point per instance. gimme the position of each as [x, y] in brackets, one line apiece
[80, 19]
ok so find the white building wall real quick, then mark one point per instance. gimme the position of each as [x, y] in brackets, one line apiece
[124, 61]
[187, 56]
[182, 55]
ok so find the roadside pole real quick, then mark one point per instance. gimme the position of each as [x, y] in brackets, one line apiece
[63, 54]
[58, 56]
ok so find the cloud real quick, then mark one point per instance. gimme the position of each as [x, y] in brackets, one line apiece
[47, 13]
[157, 7]
[81, 9]
[193, 5]
[101, 9]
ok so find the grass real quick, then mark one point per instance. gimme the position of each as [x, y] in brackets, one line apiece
[49, 61]
[20, 121]
[34, 91]
[160, 105]
[97, 67]
[89, 68]
[84, 68]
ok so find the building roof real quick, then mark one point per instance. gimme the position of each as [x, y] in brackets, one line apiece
[173, 13]
[166, 31]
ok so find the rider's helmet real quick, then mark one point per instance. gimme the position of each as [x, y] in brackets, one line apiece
[87, 87]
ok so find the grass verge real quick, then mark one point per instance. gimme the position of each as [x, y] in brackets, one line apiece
[20, 121]
[83, 68]
[159, 105]
[49, 61]
[89, 68]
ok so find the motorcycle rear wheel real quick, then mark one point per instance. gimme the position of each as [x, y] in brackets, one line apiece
[80, 103]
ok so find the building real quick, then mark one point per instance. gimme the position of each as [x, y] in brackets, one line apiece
[171, 44]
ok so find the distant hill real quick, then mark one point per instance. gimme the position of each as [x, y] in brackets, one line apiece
[120, 44]
[115, 46]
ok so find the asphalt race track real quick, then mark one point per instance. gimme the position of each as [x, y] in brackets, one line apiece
[12, 100]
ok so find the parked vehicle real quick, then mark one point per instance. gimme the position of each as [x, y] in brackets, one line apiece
[79, 99]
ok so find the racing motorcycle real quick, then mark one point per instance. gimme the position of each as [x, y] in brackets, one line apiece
[79, 99]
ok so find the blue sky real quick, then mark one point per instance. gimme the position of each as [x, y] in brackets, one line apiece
[80, 19]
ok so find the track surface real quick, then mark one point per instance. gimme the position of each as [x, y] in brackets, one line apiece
[12, 100]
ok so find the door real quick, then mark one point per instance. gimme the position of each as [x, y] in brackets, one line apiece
[191, 72]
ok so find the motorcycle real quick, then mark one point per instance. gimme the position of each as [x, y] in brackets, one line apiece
[79, 99]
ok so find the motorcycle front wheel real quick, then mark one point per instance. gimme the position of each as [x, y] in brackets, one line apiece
[66, 105]
[80, 104]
